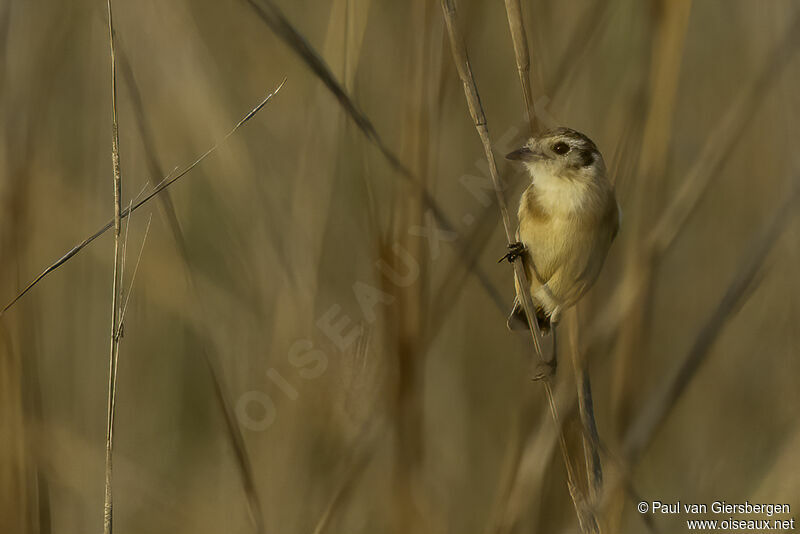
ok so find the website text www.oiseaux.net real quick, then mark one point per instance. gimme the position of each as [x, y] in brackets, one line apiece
[774, 516]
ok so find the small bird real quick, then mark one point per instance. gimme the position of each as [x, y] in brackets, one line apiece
[568, 218]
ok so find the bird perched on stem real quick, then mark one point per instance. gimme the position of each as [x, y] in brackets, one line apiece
[568, 217]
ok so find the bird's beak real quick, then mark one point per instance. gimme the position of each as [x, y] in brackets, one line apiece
[522, 154]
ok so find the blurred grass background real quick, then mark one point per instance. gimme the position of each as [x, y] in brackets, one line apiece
[428, 422]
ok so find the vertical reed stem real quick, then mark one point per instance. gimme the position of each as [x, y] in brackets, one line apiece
[588, 523]
[115, 297]
[594, 473]
[522, 55]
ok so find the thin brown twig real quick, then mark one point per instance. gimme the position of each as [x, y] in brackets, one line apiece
[586, 517]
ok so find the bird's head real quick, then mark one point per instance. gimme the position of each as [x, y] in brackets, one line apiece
[561, 153]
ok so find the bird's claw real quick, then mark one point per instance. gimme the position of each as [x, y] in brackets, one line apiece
[544, 370]
[515, 250]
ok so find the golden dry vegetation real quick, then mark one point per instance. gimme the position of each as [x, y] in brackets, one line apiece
[315, 336]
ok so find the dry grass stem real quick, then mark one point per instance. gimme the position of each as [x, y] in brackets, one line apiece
[162, 186]
[273, 17]
[458, 48]
[522, 56]
[658, 407]
[269, 12]
[666, 58]
[155, 171]
[108, 512]
[656, 410]
[585, 34]
[593, 466]
[586, 517]
[135, 270]
[208, 355]
[317, 339]
[690, 192]
[355, 464]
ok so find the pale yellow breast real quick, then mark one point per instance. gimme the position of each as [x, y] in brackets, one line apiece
[563, 236]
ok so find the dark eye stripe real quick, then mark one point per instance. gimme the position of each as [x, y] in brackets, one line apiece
[587, 158]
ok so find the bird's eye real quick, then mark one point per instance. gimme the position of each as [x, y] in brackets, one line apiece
[560, 148]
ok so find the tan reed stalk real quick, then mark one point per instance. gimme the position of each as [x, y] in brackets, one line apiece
[269, 12]
[665, 67]
[464, 68]
[409, 313]
[674, 217]
[526, 487]
[480, 232]
[459, 268]
[523, 57]
[372, 430]
[649, 169]
[524, 492]
[588, 522]
[25, 485]
[358, 459]
[108, 511]
[706, 166]
[656, 411]
[658, 407]
[594, 473]
[586, 32]
[116, 299]
[16, 504]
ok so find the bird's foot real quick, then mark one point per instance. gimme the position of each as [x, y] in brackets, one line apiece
[544, 370]
[515, 250]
